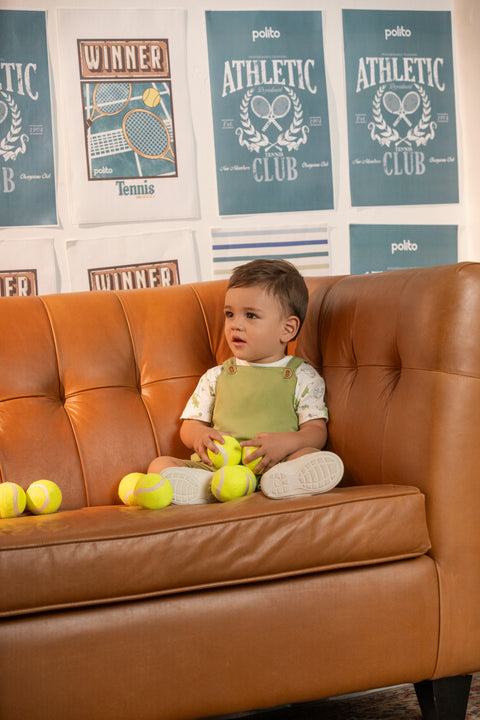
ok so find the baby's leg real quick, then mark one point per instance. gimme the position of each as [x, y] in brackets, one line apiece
[190, 483]
[165, 461]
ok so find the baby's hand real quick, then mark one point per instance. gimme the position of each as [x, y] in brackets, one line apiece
[270, 447]
[206, 440]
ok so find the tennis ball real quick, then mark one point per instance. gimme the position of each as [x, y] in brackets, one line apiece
[153, 491]
[151, 97]
[253, 463]
[233, 481]
[12, 500]
[126, 488]
[230, 453]
[43, 497]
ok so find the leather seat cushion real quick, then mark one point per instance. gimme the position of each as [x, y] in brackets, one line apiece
[108, 554]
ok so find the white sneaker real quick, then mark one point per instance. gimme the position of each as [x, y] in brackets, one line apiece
[191, 486]
[309, 474]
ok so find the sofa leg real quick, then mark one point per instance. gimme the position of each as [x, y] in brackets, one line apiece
[444, 699]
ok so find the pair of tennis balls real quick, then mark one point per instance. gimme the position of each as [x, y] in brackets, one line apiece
[41, 498]
[149, 490]
[234, 477]
[232, 453]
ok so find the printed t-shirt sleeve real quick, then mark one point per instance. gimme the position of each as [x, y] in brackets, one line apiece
[310, 394]
[200, 404]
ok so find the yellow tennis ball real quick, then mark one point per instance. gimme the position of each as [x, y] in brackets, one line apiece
[127, 486]
[253, 463]
[233, 481]
[230, 453]
[12, 500]
[43, 497]
[153, 491]
[151, 97]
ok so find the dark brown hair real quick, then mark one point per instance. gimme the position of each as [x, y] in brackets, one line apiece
[279, 278]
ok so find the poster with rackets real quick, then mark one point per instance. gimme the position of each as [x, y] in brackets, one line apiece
[270, 111]
[27, 171]
[376, 248]
[130, 104]
[401, 107]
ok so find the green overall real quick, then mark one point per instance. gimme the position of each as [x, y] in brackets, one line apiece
[253, 399]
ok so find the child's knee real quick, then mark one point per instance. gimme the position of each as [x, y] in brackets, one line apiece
[160, 463]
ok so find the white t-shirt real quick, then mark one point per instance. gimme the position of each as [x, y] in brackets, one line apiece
[309, 393]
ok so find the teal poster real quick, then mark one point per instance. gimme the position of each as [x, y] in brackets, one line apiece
[375, 248]
[270, 111]
[27, 173]
[401, 107]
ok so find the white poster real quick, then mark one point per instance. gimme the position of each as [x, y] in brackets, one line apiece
[27, 267]
[131, 262]
[127, 115]
[305, 247]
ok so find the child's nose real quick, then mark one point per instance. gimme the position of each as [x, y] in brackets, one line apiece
[236, 322]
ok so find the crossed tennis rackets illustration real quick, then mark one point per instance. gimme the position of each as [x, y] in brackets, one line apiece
[401, 107]
[143, 130]
[271, 112]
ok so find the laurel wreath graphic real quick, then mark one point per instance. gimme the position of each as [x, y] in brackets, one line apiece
[14, 136]
[425, 129]
[256, 141]
[386, 135]
[292, 138]
[289, 137]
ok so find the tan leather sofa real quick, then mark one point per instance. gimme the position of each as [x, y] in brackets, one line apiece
[118, 613]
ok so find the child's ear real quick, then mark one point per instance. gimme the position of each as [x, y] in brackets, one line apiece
[290, 328]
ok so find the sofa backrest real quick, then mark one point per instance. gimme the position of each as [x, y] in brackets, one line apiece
[92, 384]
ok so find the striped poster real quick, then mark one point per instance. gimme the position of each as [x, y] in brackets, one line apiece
[307, 248]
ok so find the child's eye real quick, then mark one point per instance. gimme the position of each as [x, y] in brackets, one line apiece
[228, 313]
[251, 316]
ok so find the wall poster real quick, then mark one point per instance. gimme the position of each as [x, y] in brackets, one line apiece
[375, 248]
[127, 112]
[27, 172]
[401, 107]
[270, 111]
[129, 262]
[305, 247]
[27, 267]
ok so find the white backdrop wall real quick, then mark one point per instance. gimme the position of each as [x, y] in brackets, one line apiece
[466, 24]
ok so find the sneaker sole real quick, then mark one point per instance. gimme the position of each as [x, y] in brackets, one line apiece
[190, 486]
[307, 475]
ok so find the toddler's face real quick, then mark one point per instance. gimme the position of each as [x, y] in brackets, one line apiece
[256, 327]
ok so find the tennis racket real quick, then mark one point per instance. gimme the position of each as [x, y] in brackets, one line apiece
[109, 99]
[260, 106]
[147, 135]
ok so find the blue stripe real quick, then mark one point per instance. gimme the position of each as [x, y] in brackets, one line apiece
[239, 258]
